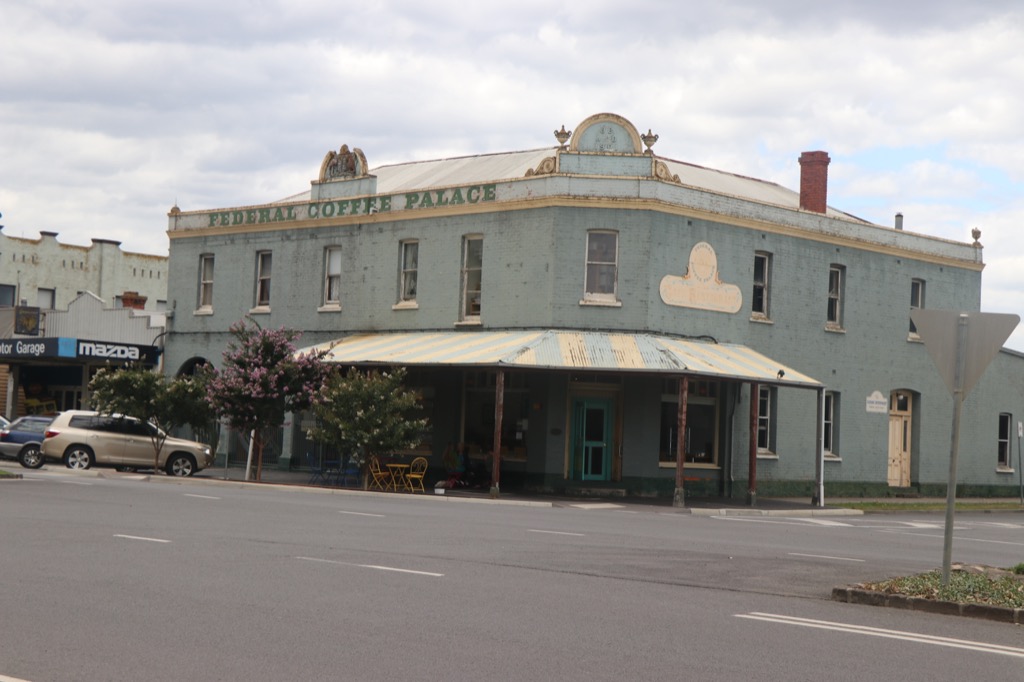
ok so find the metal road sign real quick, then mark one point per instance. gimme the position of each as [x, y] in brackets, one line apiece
[986, 333]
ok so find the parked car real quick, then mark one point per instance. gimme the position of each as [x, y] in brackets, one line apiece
[81, 439]
[22, 438]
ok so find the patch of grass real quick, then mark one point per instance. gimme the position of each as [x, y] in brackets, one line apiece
[964, 587]
[6, 474]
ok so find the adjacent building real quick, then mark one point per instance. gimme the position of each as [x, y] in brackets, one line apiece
[66, 311]
[609, 320]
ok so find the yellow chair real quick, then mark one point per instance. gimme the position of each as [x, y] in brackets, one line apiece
[380, 478]
[417, 470]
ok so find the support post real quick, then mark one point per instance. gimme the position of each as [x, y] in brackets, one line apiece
[752, 450]
[499, 411]
[954, 446]
[679, 498]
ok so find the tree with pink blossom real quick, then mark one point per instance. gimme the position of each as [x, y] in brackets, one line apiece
[261, 379]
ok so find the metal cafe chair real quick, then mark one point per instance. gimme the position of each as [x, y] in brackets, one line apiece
[414, 477]
[380, 477]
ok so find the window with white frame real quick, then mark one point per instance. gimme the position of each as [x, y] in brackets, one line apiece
[332, 276]
[206, 281]
[762, 274]
[602, 266]
[831, 424]
[916, 300]
[1005, 419]
[409, 266]
[836, 286]
[766, 407]
[264, 261]
[472, 276]
[46, 298]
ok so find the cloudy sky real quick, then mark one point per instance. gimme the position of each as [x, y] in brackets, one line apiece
[112, 111]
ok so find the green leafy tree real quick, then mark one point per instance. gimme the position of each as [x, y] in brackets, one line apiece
[262, 378]
[367, 413]
[137, 391]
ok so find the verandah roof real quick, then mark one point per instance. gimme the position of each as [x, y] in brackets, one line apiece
[563, 350]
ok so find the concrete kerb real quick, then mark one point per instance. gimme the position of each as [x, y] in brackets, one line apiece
[856, 595]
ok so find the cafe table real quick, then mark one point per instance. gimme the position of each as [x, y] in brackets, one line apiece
[398, 471]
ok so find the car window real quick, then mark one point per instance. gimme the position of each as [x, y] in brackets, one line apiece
[30, 425]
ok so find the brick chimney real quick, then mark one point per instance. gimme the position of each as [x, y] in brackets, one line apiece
[132, 299]
[814, 181]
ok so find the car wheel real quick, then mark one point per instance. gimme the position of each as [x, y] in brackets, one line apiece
[30, 457]
[78, 457]
[181, 465]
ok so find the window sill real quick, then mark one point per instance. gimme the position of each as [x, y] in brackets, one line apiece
[766, 454]
[205, 310]
[834, 328]
[472, 322]
[829, 457]
[260, 310]
[761, 319]
[914, 338]
[1004, 470]
[601, 304]
[690, 465]
[406, 305]
[329, 308]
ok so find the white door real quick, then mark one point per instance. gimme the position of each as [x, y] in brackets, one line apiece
[900, 422]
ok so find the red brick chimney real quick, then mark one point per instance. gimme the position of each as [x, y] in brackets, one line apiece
[814, 181]
[132, 299]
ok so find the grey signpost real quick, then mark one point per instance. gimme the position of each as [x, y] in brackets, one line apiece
[962, 346]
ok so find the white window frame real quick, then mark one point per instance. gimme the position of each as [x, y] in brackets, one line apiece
[767, 406]
[469, 297]
[332, 278]
[46, 299]
[762, 286]
[594, 265]
[830, 432]
[1004, 441]
[408, 273]
[206, 281]
[836, 291]
[917, 289]
[264, 270]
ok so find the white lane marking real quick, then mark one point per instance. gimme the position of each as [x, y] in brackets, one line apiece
[984, 647]
[4, 678]
[597, 505]
[373, 566]
[204, 497]
[554, 532]
[825, 556]
[958, 538]
[77, 482]
[825, 522]
[758, 519]
[361, 514]
[139, 537]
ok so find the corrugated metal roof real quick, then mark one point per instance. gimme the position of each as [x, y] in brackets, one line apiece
[564, 350]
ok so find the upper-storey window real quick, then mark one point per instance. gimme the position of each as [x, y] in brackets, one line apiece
[263, 263]
[409, 268]
[7, 294]
[836, 293]
[206, 281]
[759, 301]
[472, 277]
[602, 266]
[46, 299]
[916, 301]
[332, 276]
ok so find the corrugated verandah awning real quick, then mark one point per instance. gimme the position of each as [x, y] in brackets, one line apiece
[563, 350]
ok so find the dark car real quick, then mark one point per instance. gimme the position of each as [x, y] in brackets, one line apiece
[22, 438]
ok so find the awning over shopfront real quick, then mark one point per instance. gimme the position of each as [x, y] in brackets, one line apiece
[564, 350]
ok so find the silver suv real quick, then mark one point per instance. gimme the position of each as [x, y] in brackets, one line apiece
[81, 439]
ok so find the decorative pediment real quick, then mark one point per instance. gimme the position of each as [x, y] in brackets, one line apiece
[606, 133]
[343, 164]
[545, 167]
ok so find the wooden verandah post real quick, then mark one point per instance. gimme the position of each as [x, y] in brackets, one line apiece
[499, 410]
[679, 498]
[755, 395]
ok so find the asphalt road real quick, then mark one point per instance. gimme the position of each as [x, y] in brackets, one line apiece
[123, 578]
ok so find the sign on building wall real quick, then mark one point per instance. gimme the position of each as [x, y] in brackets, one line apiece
[877, 403]
[701, 287]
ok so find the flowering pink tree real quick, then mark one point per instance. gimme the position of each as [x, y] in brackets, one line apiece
[262, 379]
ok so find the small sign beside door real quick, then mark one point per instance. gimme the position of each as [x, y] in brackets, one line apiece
[877, 403]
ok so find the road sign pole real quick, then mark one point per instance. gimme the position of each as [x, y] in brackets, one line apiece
[1020, 469]
[954, 446]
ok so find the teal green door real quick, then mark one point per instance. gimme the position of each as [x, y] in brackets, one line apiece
[591, 439]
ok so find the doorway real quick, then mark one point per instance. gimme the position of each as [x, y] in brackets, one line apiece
[901, 405]
[592, 420]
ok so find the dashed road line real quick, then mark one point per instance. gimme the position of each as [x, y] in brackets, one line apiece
[376, 567]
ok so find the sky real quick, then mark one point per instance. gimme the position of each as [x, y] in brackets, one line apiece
[113, 111]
